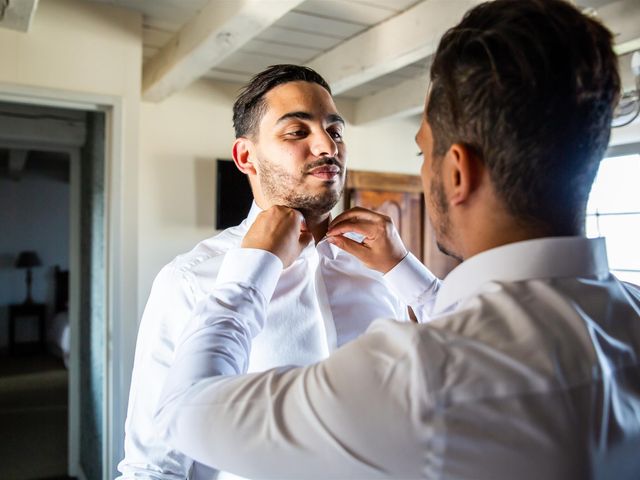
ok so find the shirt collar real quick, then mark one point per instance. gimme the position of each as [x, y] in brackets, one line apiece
[327, 249]
[554, 257]
[253, 214]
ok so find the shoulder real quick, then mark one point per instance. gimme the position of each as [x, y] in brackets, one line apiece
[208, 252]
[193, 271]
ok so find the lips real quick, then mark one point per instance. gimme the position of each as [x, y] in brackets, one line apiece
[325, 172]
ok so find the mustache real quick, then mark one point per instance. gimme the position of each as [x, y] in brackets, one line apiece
[324, 161]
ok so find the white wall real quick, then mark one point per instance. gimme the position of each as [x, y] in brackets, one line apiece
[181, 138]
[385, 146]
[34, 215]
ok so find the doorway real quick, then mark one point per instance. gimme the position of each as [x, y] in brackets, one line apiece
[52, 164]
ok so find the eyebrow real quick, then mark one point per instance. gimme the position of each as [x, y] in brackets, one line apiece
[332, 118]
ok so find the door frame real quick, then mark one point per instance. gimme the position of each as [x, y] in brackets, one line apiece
[116, 354]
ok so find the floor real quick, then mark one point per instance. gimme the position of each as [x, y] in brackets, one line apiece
[31, 363]
[33, 417]
[58, 478]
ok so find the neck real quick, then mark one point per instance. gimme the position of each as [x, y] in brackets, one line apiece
[506, 230]
[494, 241]
[317, 225]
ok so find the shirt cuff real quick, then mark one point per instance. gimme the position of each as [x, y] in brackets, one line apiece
[251, 267]
[410, 279]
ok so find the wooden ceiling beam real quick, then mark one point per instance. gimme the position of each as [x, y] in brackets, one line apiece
[390, 45]
[219, 30]
[623, 19]
[17, 14]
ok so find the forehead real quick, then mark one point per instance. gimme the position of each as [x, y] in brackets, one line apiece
[298, 97]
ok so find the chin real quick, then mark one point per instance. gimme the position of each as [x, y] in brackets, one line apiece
[448, 251]
[315, 205]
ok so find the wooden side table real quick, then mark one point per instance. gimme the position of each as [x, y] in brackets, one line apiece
[26, 311]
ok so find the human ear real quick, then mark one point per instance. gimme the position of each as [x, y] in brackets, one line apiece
[243, 155]
[463, 173]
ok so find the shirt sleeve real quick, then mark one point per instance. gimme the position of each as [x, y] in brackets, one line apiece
[415, 285]
[334, 419]
[171, 305]
[166, 313]
[217, 338]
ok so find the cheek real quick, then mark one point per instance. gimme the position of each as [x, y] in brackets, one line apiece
[426, 181]
[286, 155]
[342, 151]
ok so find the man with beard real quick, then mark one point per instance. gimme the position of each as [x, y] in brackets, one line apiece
[530, 365]
[289, 142]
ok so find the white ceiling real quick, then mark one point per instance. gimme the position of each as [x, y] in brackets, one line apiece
[315, 32]
[310, 29]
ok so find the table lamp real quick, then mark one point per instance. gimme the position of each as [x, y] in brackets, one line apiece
[28, 259]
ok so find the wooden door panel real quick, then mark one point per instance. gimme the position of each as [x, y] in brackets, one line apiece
[405, 209]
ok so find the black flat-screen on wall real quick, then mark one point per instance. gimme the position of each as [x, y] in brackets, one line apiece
[233, 195]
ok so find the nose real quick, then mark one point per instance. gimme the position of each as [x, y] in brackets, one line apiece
[322, 145]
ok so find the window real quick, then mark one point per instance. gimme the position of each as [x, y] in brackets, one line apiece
[613, 212]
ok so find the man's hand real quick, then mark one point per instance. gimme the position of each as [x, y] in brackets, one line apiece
[381, 250]
[281, 231]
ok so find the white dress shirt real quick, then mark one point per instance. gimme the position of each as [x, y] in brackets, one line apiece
[323, 300]
[530, 370]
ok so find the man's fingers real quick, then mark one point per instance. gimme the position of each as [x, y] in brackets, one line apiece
[363, 228]
[356, 215]
[350, 246]
[359, 220]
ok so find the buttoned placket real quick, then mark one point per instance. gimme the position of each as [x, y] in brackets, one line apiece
[311, 254]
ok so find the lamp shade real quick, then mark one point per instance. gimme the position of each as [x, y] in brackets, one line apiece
[28, 259]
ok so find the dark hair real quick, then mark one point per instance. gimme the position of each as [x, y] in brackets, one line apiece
[529, 86]
[249, 107]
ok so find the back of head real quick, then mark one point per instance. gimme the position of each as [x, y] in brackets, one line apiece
[250, 106]
[529, 86]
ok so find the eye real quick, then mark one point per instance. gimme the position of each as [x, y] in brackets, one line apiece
[419, 154]
[336, 134]
[297, 133]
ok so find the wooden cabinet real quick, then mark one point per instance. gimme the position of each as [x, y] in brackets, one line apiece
[401, 198]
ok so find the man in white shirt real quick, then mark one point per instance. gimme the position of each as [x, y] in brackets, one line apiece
[530, 367]
[289, 142]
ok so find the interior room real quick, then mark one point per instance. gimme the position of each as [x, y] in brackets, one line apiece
[114, 118]
[35, 347]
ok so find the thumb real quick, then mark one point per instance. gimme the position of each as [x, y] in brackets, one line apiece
[356, 249]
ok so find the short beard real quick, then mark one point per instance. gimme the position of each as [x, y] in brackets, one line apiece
[439, 202]
[286, 189]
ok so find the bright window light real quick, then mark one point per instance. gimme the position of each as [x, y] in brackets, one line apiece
[613, 212]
